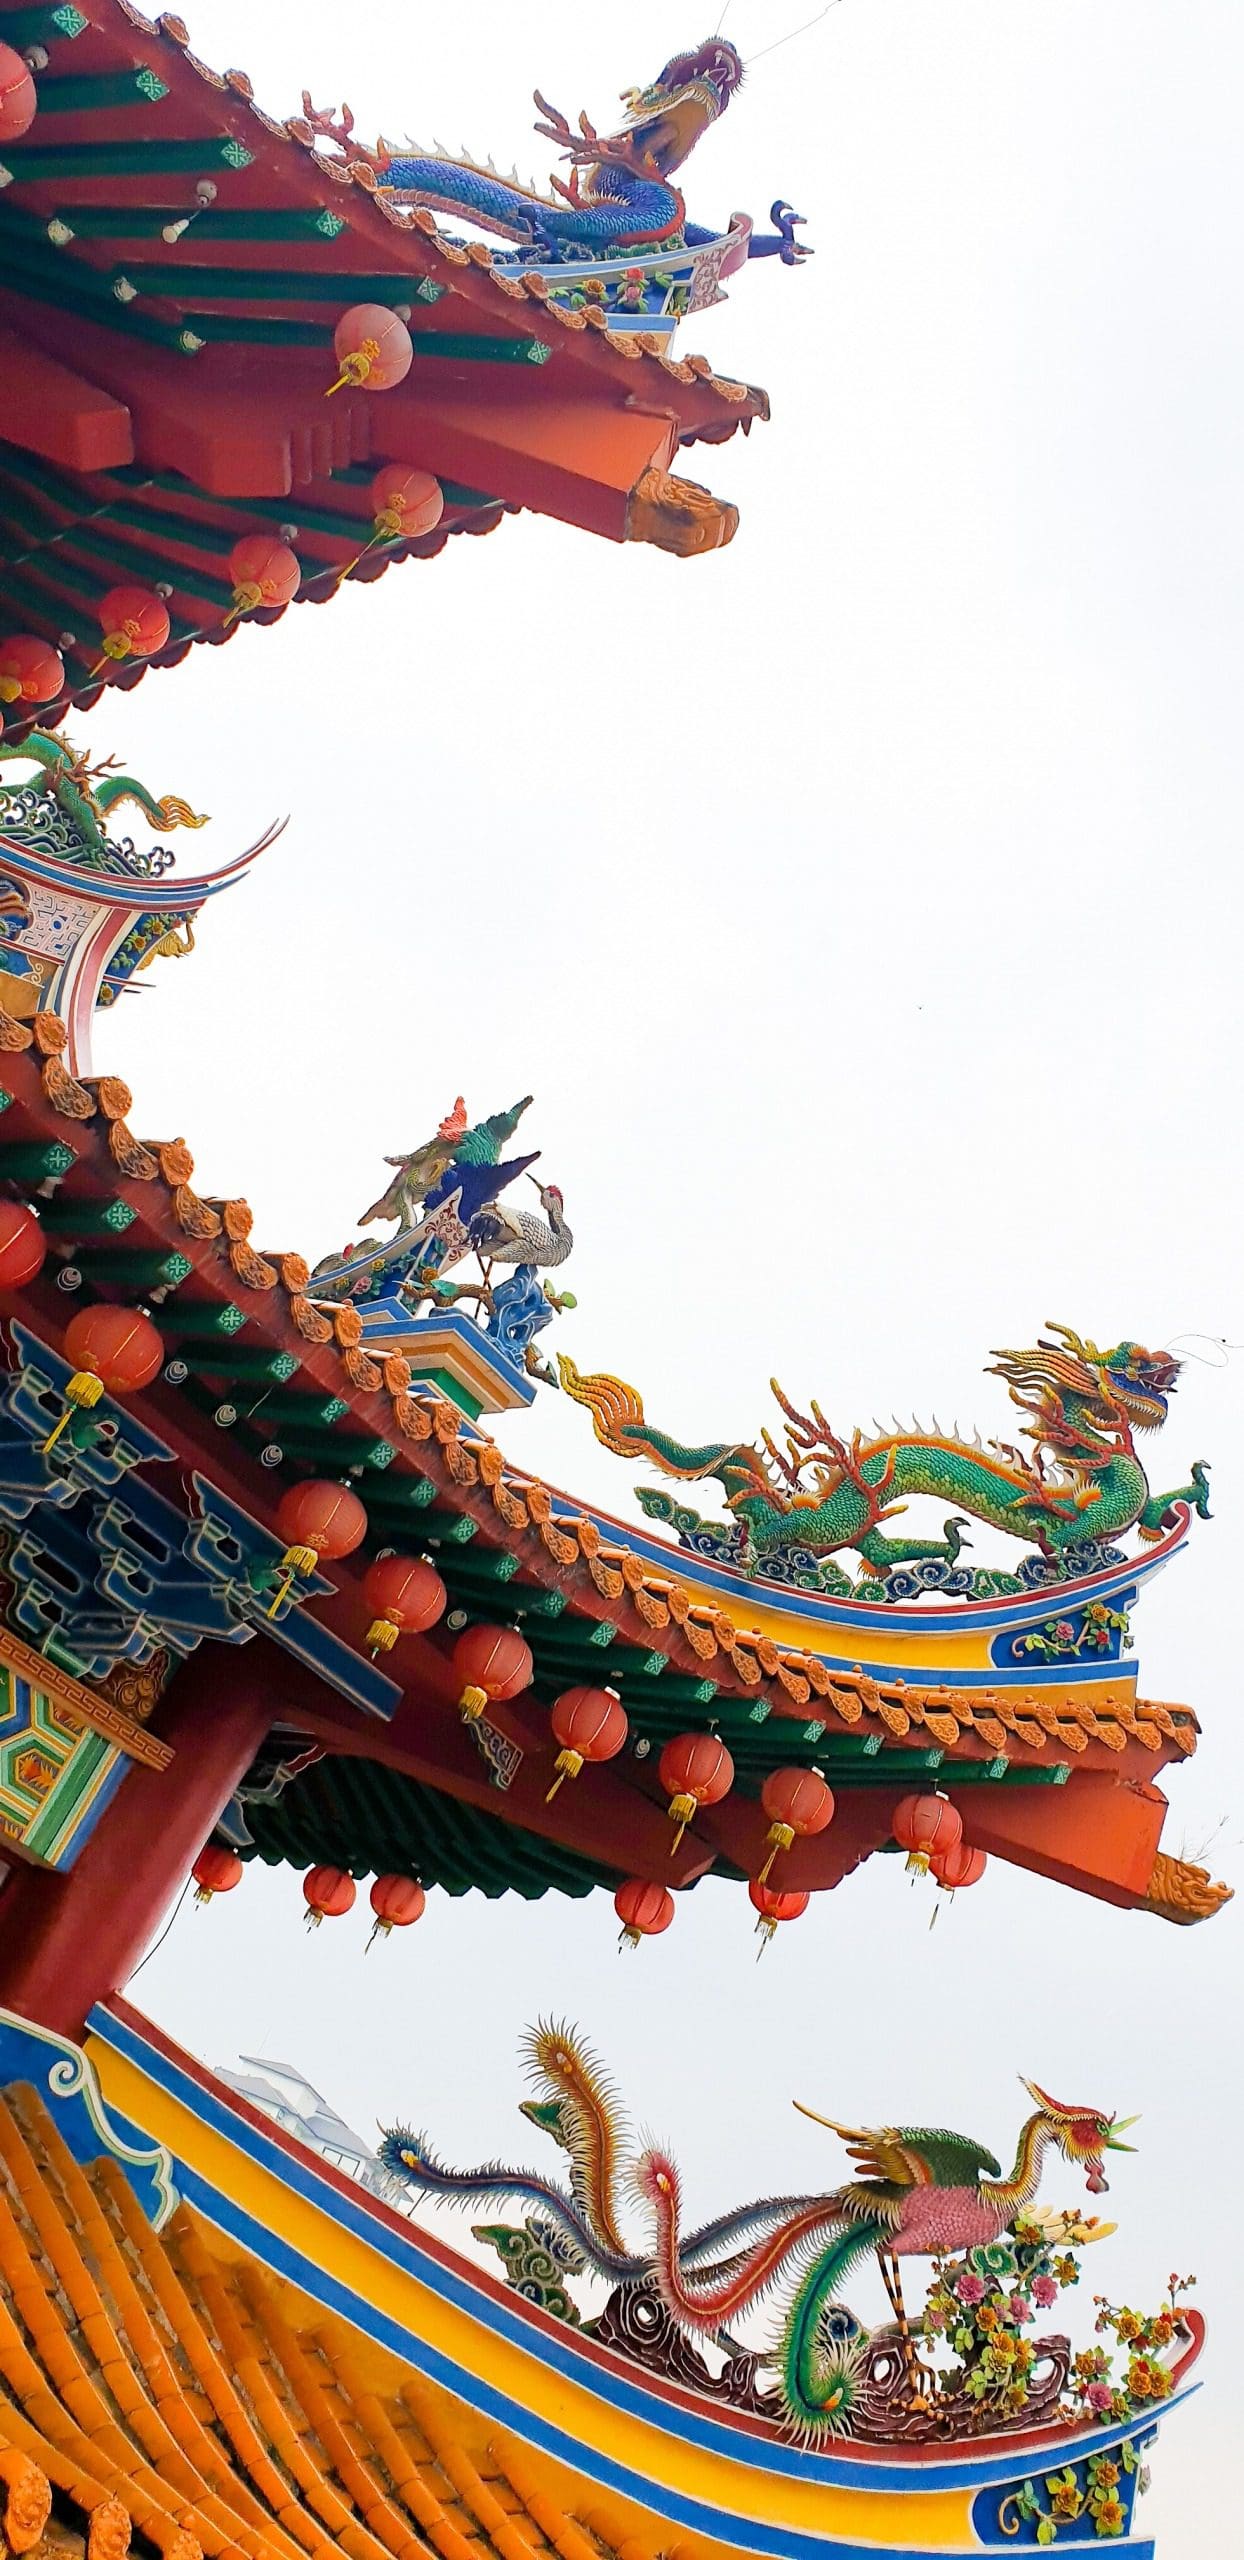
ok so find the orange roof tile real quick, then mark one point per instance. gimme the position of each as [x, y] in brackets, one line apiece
[472, 1475]
[160, 2387]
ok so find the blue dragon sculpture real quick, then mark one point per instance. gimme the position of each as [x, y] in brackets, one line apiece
[620, 200]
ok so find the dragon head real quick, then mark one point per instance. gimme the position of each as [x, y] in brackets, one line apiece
[1143, 1382]
[666, 121]
[1083, 2135]
[1102, 1388]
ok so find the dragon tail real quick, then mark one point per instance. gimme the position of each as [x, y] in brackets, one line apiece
[819, 2354]
[591, 2123]
[169, 812]
[620, 1425]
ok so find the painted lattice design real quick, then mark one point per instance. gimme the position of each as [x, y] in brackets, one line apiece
[53, 1770]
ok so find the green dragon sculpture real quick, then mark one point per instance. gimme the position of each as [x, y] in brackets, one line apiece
[1082, 1484]
[86, 794]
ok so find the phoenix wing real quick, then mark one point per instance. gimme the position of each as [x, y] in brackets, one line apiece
[916, 2155]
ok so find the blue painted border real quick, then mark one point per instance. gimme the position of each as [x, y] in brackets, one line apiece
[953, 1619]
[764, 2453]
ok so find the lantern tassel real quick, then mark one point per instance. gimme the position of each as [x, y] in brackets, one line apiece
[766, 1930]
[472, 1703]
[380, 535]
[568, 1765]
[355, 367]
[246, 599]
[781, 1836]
[116, 647]
[681, 1812]
[380, 1929]
[83, 1389]
[295, 1560]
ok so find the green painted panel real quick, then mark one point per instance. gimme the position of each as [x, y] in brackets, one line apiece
[83, 93]
[156, 155]
[356, 1814]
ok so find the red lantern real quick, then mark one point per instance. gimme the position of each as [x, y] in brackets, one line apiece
[18, 98]
[316, 1519]
[119, 1344]
[31, 670]
[493, 1663]
[696, 1768]
[645, 1910]
[22, 1245]
[590, 1724]
[406, 1594]
[398, 1901]
[405, 502]
[216, 1870]
[924, 1825]
[775, 1907]
[134, 623]
[264, 572]
[112, 1349]
[373, 348]
[328, 1893]
[324, 1516]
[958, 1867]
[799, 1804]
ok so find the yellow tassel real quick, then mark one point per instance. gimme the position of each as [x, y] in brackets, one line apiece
[83, 1389]
[681, 1812]
[295, 1560]
[568, 1765]
[382, 1635]
[472, 1704]
[246, 599]
[782, 1837]
[356, 367]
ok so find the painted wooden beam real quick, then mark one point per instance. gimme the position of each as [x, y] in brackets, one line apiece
[54, 412]
[567, 457]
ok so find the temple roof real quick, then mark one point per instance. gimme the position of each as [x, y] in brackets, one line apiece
[240, 1325]
[173, 262]
[162, 2388]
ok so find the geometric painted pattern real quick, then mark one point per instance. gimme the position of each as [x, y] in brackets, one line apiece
[55, 1774]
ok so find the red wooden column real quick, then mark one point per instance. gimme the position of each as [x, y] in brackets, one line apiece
[67, 1940]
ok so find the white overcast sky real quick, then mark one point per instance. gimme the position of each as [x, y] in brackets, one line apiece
[862, 907]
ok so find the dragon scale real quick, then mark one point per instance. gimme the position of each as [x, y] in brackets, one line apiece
[1084, 1482]
[637, 213]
